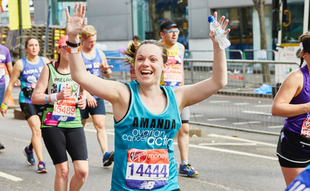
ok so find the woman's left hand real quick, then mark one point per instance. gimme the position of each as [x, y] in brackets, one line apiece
[82, 102]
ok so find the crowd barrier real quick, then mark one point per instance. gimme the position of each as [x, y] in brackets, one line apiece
[239, 102]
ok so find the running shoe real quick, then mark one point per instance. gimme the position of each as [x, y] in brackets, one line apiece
[108, 158]
[41, 167]
[29, 154]
[188, 170]
[1, 146]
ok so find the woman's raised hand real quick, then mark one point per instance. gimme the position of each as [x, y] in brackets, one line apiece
[76, 23]
[224, 25]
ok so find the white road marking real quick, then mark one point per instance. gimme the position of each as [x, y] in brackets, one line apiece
[245, 123]
[263, 106]
[217, 119]
[233, 144]
[256, 112]
[241, 104]
[10, 177]
[219, 101]
[275, 127]
[196, 115]
[241, 139]
[233, 152]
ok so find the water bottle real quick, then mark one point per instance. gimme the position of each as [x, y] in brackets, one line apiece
[219, 33]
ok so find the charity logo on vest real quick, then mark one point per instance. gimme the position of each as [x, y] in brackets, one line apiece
[152, 137]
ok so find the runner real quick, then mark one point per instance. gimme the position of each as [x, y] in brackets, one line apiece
[61, 126]
[147, 115]
[173, 76]
[135, 42]
[95, 61]
[292, 102]
[5, 66]
[28, 70]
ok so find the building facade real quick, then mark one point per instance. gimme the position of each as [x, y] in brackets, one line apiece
[118, 20]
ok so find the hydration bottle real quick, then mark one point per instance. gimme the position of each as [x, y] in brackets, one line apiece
[219, 33]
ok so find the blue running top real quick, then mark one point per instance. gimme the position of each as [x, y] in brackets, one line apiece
[29, 77]
[144, 145]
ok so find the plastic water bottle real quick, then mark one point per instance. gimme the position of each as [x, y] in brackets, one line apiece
[219, 33]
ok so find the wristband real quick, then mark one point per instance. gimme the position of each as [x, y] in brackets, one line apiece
[73, 50]
[46, 99]
[53, 97]
[4, 106]
[73, 44]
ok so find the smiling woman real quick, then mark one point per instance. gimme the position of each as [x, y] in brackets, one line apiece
[141, 103]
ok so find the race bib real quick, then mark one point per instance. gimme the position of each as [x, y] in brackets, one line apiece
[173, 72]
[64, 110]
[305, 129]
[147, 169]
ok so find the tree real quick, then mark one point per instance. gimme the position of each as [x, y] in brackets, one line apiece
[152, 10]
[259, 6]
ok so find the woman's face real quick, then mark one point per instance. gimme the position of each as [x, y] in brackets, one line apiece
[306, 56]
[33, 47]
[149, 63]
[62, 50]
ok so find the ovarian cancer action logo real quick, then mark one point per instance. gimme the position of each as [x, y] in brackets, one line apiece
[137, 156]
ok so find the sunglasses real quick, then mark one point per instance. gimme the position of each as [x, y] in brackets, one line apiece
[177, 31]
[64, 47]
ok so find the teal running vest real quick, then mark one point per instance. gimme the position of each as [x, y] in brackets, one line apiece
[144, 145]
[56, 83]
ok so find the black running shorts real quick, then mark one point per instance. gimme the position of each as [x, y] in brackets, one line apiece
[29, 109]
[99, 110]
[290, 155]
[60, 140]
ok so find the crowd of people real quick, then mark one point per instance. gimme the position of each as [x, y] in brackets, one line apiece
[56, 99]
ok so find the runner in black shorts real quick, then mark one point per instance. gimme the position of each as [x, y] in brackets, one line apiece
[28, 70]
[95, 63]
[292, 101]
[61, 126]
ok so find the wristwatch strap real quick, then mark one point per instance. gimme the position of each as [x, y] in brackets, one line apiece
[73, 44]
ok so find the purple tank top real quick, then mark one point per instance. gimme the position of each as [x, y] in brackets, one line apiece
[294, 124]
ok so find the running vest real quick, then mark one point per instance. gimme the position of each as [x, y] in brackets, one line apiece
[299, 122]
[92, 65]
[29, 77]
[5, 57]
[56, 83]
[173, 74]
[144, 145]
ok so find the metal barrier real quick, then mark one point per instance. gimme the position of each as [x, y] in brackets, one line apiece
[232, 107]
[250, 54]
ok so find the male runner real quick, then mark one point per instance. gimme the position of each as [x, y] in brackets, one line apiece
[173, 76]
[95, 61]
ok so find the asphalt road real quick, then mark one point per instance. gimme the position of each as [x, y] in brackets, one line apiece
[226, 160]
